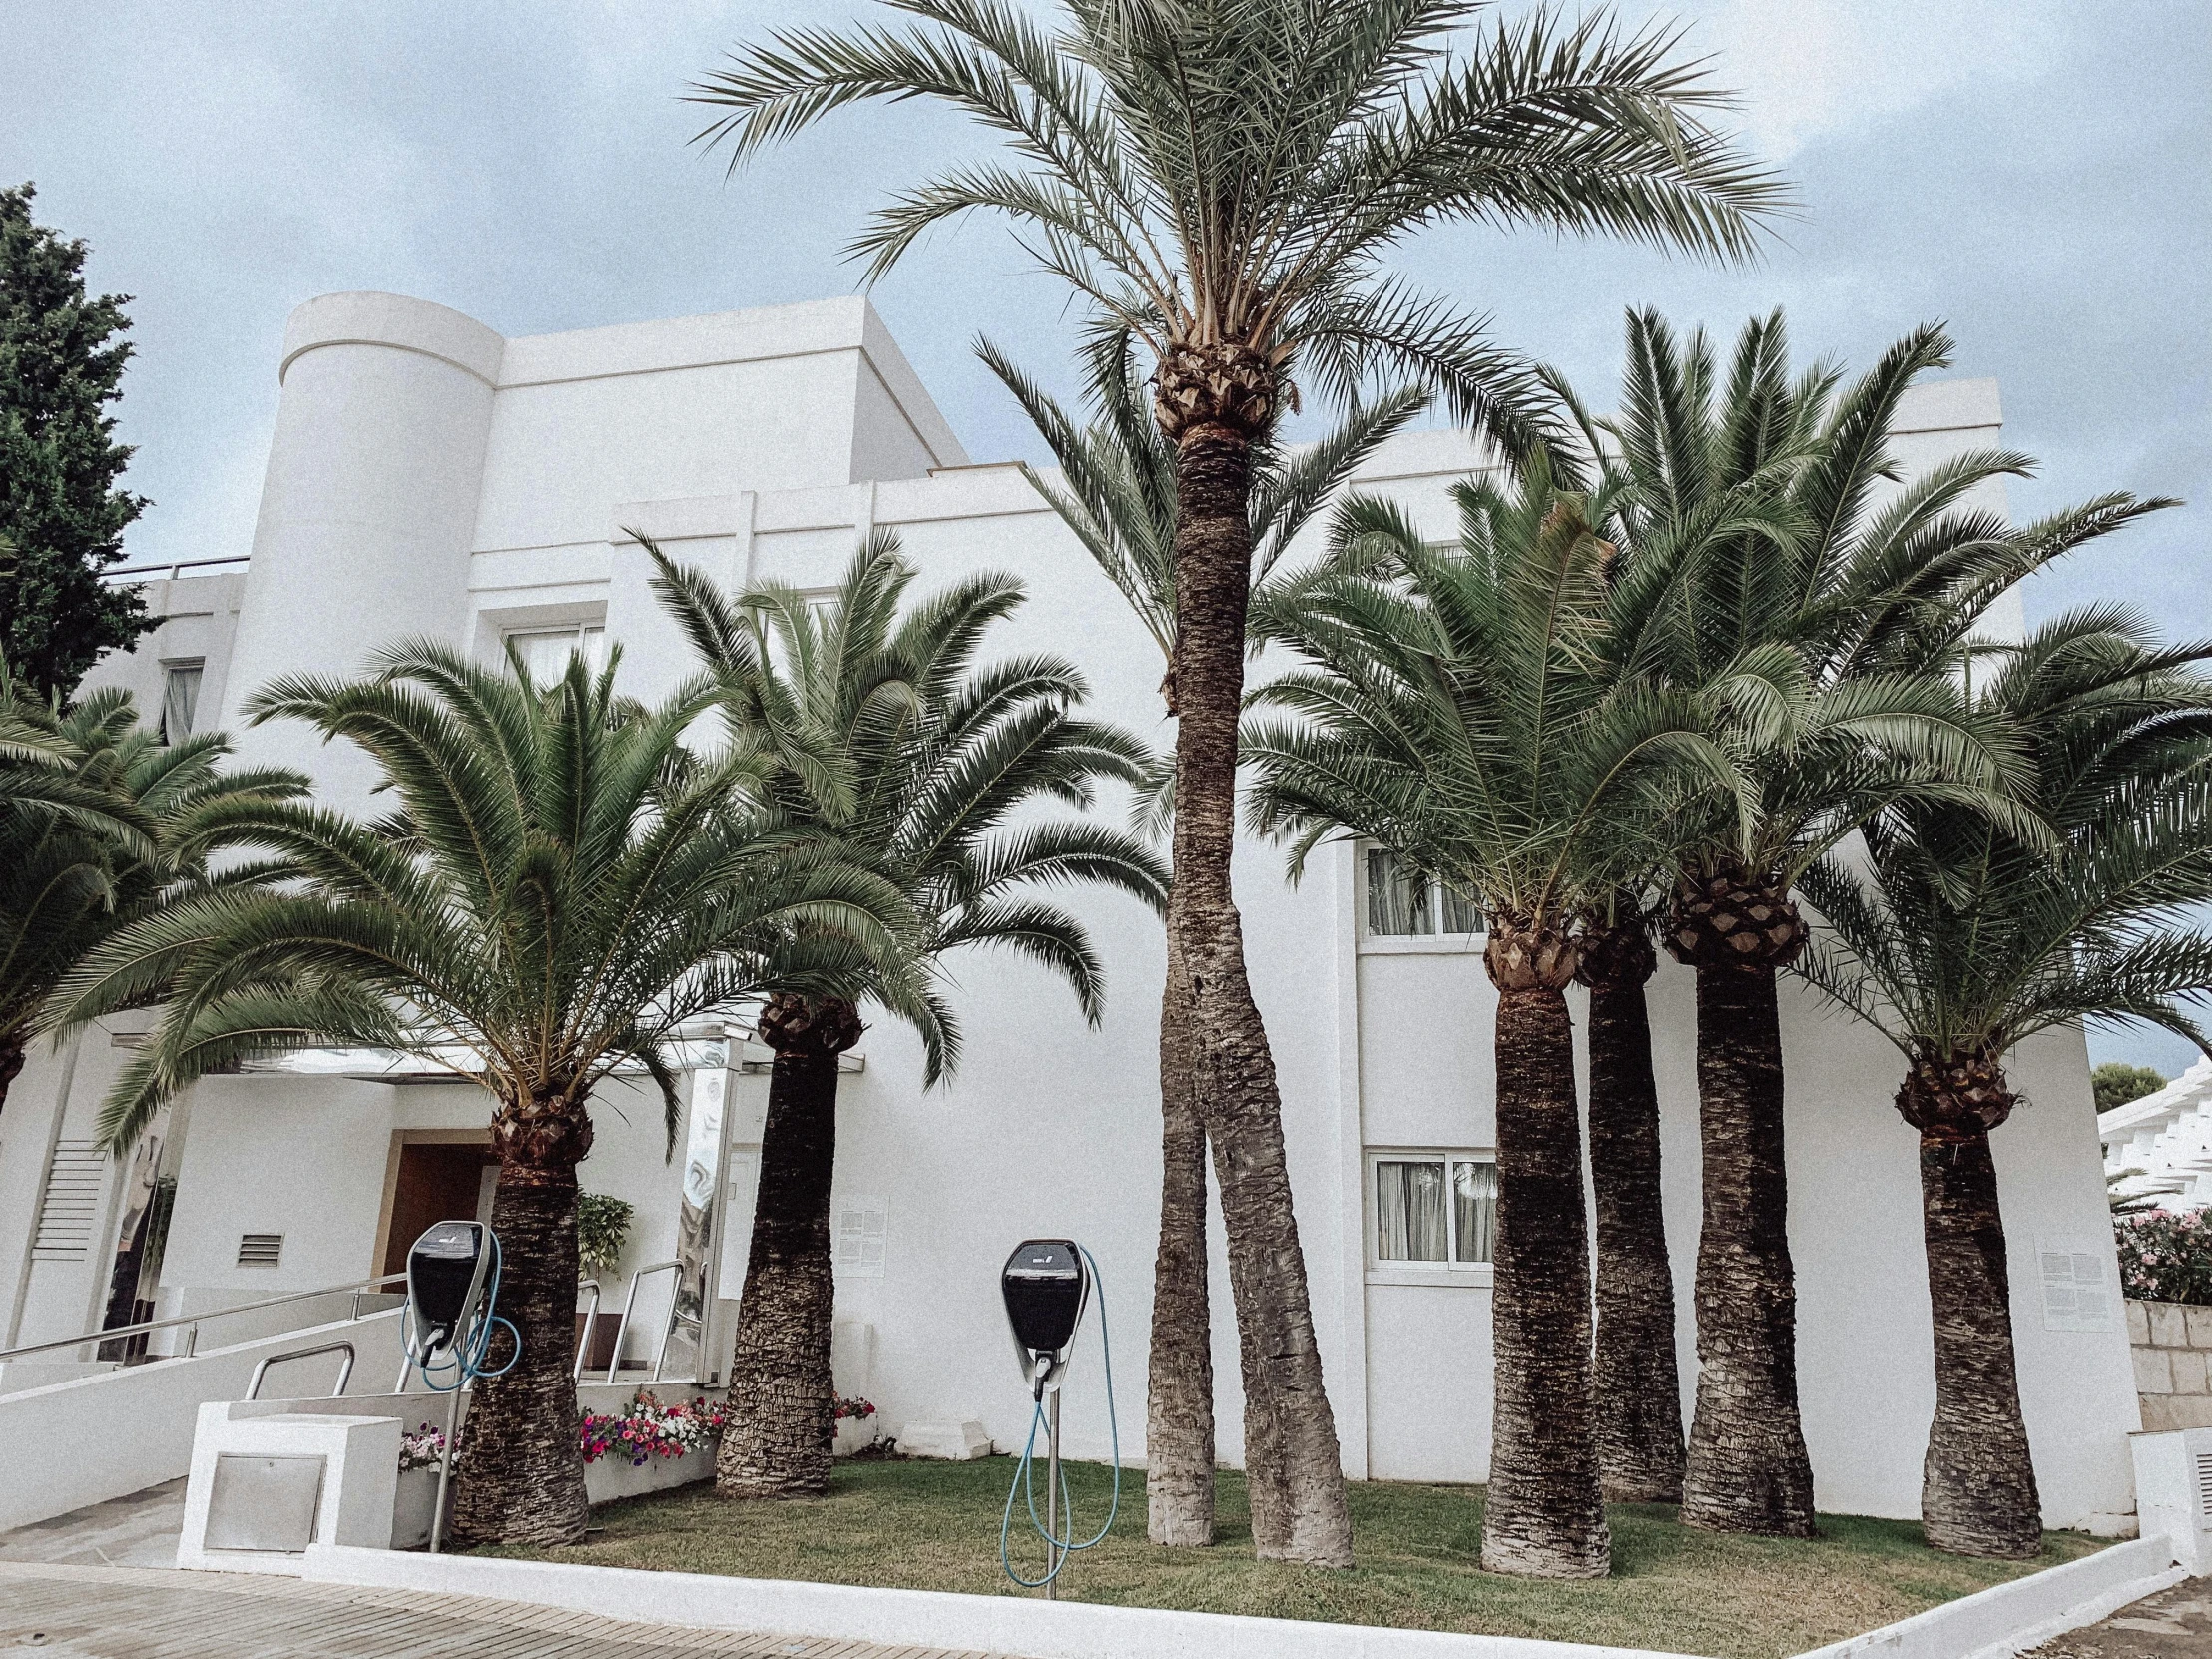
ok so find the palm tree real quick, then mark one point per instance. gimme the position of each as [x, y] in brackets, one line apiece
[1222, 178]
[1760, 565]
[559, 889]
[1457, 708]
[1636, 1377]
[1957, 942]
[887, 742]
[1117, 493]
[101, 825]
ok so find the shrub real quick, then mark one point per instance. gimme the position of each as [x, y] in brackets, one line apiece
[2116, 1083]
[2166, 1256]
[602, 1229]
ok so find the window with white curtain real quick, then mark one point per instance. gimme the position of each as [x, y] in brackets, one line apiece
[545, 651]
[1438, 1208]
[1406, 902]
[179, 699]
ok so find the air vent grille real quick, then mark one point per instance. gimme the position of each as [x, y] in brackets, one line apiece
[260, 1250]
[2204, 1484]
[72, 1201]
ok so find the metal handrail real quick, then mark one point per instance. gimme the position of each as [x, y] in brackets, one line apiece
[166, 569]
[675, 1317]
[359, 1288]
[591, 1318]
[345, 1372]
[631, 1300]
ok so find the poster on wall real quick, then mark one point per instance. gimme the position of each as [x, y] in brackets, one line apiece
[2080, 1291]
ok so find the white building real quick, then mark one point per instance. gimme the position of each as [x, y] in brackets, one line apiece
[2161, 1147]
[429, 476]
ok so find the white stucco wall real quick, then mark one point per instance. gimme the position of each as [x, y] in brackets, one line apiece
[761, 444]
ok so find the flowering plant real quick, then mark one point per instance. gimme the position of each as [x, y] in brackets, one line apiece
[854, 1408]
[2166, 1256]
[650, 1429]
[423, 1450]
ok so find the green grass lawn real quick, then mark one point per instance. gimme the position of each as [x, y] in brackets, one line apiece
[934, 1526]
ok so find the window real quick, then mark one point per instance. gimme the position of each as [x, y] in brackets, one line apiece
[545, 651]
[179, 699]
[1435, 1207]
[1403, 901]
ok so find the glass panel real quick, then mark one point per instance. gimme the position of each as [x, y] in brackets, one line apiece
[1461, 915]
[1409, 1210]
[179, 700]
[1397, 898]
[1475, 1210]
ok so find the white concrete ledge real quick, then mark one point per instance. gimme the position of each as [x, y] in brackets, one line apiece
[2008, 1619]
[1016, 1625]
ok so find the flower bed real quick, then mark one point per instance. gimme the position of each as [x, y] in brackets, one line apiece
[650, 1429]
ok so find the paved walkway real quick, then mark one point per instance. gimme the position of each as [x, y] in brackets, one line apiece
[97, 1584]
[2174, 1624]
[154, 1614]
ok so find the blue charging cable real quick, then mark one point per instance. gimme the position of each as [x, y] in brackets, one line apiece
[466, 1352]
[1024, 1485]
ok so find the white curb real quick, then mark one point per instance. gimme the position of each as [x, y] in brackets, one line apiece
[2008, 1619]
[1013, 1625]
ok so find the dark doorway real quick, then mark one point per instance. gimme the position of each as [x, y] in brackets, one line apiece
[437, 1182]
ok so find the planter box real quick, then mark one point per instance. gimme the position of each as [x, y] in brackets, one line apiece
[411, 1508]
[854, 1435]
[613, 1476]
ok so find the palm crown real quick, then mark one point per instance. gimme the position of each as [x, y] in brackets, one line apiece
[101, 825]
[558, 891]
[1764, 562]
[1460, 708]
[882, 737]
[1958, 941]
[1222, 173]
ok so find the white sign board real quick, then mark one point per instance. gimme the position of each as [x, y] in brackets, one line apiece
[2080, 1292]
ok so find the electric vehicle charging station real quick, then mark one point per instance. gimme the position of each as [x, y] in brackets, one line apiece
[447, 1326]
[1047, 1286]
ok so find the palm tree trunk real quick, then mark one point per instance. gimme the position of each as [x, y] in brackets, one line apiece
[1179, 1416]
[1978, 1486]
[783, 1398]
[1638, 1386]
[521, 1475]
[1233, 1070]
[1747, 1469]
[1545, 1515]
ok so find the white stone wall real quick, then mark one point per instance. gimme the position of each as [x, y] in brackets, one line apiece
[2172, 1347]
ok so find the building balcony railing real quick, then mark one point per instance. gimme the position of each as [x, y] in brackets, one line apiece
[176, 570]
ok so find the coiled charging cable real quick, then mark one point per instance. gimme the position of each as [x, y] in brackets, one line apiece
[1025, 1483]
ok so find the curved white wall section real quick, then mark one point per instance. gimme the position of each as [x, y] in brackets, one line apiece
[369, 504]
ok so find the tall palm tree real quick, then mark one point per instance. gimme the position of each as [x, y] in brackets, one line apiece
[559, 888]
[1117, 494]
[1637, 1387]
[1455, 707]
[1764, 563]
[1223, 178]
[888, 741]
[101, 825]
[1957, 942]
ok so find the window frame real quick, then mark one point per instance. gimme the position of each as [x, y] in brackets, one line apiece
[1435, 942]
[577, 633]
[171, 668]
[1449, 1271]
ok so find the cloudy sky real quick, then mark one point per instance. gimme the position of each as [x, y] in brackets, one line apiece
[2032, 172]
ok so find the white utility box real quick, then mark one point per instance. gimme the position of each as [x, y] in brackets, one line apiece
[2173, 1493]
[266, 1482]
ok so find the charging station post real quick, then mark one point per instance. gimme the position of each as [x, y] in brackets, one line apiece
[1047, 1284]
[447, 1327]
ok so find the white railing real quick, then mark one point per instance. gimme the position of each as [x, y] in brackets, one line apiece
[192, 1322]
[173, 570]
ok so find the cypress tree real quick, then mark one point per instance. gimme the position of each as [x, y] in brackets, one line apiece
[61, 514]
